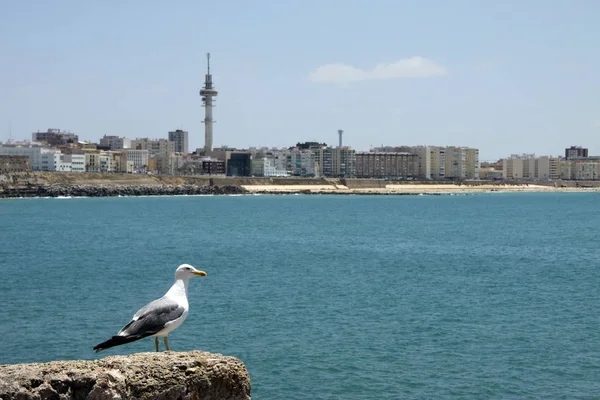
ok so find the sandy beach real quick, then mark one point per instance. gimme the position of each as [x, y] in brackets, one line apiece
[409, 189]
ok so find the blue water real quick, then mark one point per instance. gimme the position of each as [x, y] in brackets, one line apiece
[491, 296]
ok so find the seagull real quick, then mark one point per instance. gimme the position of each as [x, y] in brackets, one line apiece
[160, 316]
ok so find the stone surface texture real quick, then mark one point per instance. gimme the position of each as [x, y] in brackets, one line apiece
[194, 375]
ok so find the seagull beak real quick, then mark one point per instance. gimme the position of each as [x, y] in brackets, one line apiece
[199, 273]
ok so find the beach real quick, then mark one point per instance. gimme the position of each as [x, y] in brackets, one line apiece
[409, 188]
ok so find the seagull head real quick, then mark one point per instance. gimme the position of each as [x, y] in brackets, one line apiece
[186, 271]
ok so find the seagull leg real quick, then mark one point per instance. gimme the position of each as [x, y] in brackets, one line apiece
[166, 339]
[156, 342]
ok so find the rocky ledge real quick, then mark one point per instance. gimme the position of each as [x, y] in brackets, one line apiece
[115, 190]
[192, 375]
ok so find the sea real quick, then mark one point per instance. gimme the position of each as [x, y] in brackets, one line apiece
[482, 296]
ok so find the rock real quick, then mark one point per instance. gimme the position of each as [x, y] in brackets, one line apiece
[65, 190]
[194, 375]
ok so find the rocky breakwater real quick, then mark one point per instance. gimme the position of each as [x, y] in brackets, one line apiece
[92, 190]
[169, 375]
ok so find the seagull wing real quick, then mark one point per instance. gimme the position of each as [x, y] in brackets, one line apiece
[153, 318]
[148, 321]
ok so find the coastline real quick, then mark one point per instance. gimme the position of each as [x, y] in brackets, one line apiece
[412, 189]
[65, 184]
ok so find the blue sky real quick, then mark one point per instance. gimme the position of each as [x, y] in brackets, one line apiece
[504, 76]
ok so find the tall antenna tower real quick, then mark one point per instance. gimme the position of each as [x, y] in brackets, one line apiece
[208, 93]
[340, 133]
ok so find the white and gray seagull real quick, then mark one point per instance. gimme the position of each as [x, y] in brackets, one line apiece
[160, 316]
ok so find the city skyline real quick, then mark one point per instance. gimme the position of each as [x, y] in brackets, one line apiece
[175, 135]
[505, 78]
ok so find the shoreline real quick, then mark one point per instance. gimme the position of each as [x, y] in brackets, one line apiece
[413, 189]
[408, 189]
[89, 184]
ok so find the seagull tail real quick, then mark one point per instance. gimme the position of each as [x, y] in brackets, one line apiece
[116, 341]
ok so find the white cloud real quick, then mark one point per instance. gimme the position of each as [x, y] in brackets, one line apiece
[413, 67]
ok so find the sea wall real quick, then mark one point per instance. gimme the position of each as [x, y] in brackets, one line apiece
[363, 183]
[191, 375]
[26, 179]
[103, 190]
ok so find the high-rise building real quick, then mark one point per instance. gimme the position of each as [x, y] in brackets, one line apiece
[530, 167]
[180, 139]
[576, 152]
[335, 162]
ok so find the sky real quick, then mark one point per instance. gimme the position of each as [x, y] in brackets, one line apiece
[506, 77]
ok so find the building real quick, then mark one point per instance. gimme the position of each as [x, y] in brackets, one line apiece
[138, 157]
[168, 165]
[530, 167]
[580, 168]
[71, 163]
[180, 141]
[115, 142]
[387, 165]
[436, 162]
[92, 162]
[54, 137]
[270, 162]
[424, 161]
[155, 147]
[239, 164]
[490, 173]
[335, 162]
[41, 158]
[512, 168]
[547, 168]
[576, 152]
[472, 161]
[213, 167]
[202, 166]
[10, 164]
[301, 162]
[455, 159]
[269, 166]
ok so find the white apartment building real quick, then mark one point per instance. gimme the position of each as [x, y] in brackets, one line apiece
[272, 162]
[71, 163]
[512, 168]
[547, 167]
[139, 158]
[425, 160]
[115, 142]
[41, 158]
[269, 166]
[530, 167]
